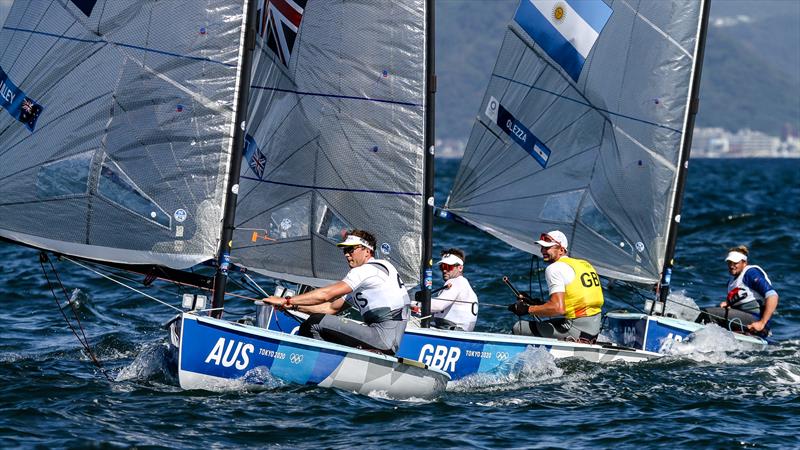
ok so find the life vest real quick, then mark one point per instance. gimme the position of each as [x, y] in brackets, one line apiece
[584, 296]
[384, 300]
[741, 297]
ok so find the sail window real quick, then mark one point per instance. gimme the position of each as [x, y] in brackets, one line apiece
[561, 207]
[290, 221]
[117, 187]
[65, 177]
[593, 218]
[329, 224]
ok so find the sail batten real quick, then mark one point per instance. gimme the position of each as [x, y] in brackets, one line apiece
[587, 142]
[338, 144]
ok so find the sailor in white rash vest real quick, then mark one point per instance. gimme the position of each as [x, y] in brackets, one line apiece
[456, 306]
[372, 286]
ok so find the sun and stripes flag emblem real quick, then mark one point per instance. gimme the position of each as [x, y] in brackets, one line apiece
[566, 30]
[279, 22]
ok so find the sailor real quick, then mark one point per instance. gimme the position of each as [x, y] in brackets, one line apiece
[751, 299]
[576, 298]
[372, 286]
[456, 307]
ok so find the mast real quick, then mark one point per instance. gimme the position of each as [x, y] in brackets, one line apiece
[231, 195]
[426, 275]
[686, 146]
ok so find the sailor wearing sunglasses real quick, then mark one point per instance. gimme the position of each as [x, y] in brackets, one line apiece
[456, 307]
[372, 286]
[576, 298]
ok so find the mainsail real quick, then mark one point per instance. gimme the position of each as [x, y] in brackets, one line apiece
[120, 148]
[334, 138]
[581, 129]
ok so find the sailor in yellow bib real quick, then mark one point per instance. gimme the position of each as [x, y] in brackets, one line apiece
[576, 297]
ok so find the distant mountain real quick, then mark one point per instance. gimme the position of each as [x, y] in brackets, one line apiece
[751, 74]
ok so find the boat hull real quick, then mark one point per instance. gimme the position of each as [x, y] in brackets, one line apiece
[657, 333]
[220, 355]
[461, 353]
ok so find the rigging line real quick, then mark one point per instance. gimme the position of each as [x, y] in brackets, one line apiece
[251, 280]
[577, 119]
[468, 302]
[259, 212]
[694, 308]
[85, 341]
[123, 284]
[340, 96]
[81, 340]
[485, 164]
[465, 197]
[322, 188]
[177, 283]
[121, 44]
[468, 187]
[46, 124]
[492, 163]
[488, 159]
[254, 189]
[652, 153]
[611, 113]
[626, 212]
[523, 197]
[39, 22]
[520, 178]
[469, 152]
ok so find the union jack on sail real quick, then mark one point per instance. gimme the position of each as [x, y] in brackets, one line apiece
[257, 162]
[280, 20]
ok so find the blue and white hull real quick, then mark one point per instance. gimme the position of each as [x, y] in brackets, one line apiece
[216, 355]
[658, 333]
[461, 353]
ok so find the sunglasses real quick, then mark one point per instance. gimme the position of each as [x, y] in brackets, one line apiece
[447, 267]
[351, 249]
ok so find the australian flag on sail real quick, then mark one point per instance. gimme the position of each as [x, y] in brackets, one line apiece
[565, 29]
[280, 21]
[17, 103]
[255, 159]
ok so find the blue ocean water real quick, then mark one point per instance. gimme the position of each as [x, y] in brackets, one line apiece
[712, 395]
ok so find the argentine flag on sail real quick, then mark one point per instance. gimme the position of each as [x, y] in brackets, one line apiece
[566, 30]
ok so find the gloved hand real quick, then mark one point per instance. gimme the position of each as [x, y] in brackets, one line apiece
[528, 300]
[518, 308]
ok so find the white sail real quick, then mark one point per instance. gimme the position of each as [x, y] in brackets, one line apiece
[122, 150]
[334, 138]
[581, 129]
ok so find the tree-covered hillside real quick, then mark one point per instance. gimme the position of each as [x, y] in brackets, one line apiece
[751, 75]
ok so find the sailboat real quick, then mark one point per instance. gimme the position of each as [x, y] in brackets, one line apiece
[156, 136]
[586, 127]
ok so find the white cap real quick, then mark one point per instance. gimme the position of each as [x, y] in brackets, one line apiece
[556, 236]
[449, 258]
[736, 257]
[354, 240]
